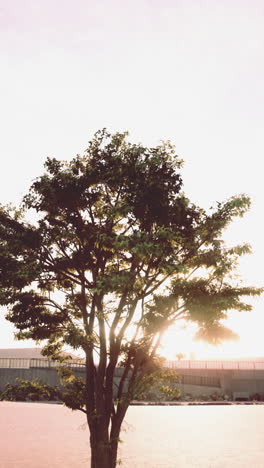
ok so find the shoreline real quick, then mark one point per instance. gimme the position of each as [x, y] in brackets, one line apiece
[194, 403]
[159, 403]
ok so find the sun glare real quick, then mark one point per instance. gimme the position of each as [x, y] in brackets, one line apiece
[181, 340]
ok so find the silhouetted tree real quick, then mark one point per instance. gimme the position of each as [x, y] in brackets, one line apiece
[116, 256]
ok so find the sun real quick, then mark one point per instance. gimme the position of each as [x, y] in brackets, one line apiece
[181, 339]
[178, 340]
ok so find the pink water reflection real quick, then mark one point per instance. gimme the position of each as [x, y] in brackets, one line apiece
[35, 435]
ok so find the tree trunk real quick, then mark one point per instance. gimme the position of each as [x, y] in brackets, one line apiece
[114, 447]
[103, 452]
[100, 455]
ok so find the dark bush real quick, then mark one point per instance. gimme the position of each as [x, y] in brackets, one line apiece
[26, 390]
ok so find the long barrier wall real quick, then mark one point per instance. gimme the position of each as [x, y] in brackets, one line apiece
[196, 377]
[12, 369]
[232, 376]
[30, 369]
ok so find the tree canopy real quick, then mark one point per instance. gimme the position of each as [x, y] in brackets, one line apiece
[118, 254]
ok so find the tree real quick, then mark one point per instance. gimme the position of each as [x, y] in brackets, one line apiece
[180, 356]
[117, 254]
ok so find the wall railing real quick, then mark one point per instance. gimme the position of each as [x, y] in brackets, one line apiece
[21, 363]
[233, 365]
[203, 381]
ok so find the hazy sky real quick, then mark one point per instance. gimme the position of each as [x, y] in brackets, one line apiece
[188, 71]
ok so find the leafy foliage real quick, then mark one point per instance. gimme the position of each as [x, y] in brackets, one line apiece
[117, 255]
[25, 390]
[160, 384]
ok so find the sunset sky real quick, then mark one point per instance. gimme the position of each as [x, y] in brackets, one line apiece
[191, 71]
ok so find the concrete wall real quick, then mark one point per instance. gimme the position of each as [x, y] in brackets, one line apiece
[251, 381]
[214, 380]
[48, 376]
[198, 390]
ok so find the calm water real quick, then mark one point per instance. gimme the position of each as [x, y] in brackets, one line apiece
[35, 435]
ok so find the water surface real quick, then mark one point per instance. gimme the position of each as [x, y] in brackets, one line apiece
[37, 435]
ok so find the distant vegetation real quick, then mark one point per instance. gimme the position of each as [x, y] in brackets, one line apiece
[25, 390]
